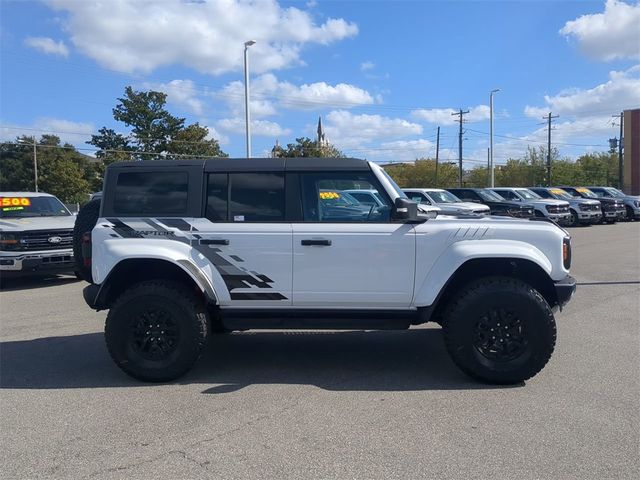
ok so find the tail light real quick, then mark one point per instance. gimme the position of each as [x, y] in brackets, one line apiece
[86, 249]
[566, 252]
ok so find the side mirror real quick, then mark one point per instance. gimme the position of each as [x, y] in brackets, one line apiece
[405, 209]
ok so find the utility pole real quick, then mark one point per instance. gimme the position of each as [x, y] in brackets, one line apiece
[620, 147]
[549, 118]
[437, 155]
[492, 177]
[460, 114]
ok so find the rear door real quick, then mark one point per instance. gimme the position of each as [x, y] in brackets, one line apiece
[346, 255]
[245, 239]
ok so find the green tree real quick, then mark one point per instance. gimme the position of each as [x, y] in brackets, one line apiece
[155, 133]
[192, 141]
[422, 173]
[62, 170]
[307, 148]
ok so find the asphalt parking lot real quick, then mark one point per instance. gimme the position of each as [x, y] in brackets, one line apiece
[326, 404]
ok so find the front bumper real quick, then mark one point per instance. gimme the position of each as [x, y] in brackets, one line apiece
[25, 263]
[565, 288]
[561, 218]
[589, 217]
[617, 214]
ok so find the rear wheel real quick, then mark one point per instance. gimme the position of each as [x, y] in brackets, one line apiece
[499, 330]
[155, 331]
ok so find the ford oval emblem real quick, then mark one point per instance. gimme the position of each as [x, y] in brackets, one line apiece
[54, 239]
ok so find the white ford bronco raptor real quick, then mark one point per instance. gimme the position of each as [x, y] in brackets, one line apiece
[177, 250]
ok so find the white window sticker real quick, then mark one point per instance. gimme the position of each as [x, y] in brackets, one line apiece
[238, 218]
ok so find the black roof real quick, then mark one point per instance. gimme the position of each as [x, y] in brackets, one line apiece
[253, 164]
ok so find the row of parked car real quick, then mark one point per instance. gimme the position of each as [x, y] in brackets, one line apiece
[567, 206]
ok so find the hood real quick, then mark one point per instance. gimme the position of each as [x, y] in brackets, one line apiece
[36, 223]
[548, 201]
[585, 201]
[463, 207]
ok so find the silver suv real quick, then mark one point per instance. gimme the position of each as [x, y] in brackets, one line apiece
[35, 234]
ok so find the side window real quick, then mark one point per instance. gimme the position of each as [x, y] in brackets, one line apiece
[467, 195]
[508, 194]
[245, 197]
[163, 193]
[543, 193]
[217, 197]
[364, 198]
[325, 198]
[419, 198]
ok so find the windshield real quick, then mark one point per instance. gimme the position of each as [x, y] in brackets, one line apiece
[443, 196]
[586, 192]
[489, 196]
[613, 192]
[23, 207]
[619, 193]
[527, 194]
[559, 193]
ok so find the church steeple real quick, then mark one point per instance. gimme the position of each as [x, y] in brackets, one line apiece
[321, 138]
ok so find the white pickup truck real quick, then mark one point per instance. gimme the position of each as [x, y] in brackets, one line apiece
[35, 234]
[178, 250]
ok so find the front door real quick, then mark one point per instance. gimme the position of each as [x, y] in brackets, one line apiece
[348, 254]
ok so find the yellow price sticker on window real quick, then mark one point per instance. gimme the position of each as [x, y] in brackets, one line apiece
[14, 203]
[329, 195]
[557, 191]
[582, 190]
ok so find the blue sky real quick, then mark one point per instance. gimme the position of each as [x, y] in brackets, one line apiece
[382, 74]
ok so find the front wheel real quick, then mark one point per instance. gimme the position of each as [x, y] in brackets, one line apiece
[156, 330]
[574, 221]
[499, 330]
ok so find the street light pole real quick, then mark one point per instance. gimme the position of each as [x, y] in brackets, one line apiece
[491, 169]
[247, 115]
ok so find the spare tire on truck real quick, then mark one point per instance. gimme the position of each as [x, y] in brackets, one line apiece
[85, 221]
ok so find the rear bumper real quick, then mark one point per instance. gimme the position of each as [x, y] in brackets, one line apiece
[565, 289]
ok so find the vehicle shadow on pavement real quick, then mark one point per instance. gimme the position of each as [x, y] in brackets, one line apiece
[29, 283]
[340, 361]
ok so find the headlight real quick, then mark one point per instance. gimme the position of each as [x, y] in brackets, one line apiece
[9, 241]
[636, 203]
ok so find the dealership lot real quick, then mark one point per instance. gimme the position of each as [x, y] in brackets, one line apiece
[326, 404]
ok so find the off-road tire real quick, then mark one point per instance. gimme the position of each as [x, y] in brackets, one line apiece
[470, 308]
[171, 305]
[85, 221]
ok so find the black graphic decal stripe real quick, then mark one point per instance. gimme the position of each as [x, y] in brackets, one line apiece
[178, 223]
[122, 229]
[257, 296]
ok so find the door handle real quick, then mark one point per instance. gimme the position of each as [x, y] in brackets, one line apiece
[323, 243]
[214, 241]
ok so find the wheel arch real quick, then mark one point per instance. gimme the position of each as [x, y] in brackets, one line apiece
[522, 269]
[130, 271]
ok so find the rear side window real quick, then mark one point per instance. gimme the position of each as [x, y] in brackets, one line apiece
[245, 197]
[163, 193]
[508, 194]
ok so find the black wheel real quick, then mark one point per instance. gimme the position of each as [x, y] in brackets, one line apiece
[155, 331]
[85, 221]
[575, 221]
[630, 214]
[499, 330]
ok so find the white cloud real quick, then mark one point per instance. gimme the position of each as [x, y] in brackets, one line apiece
[447, 116]
[142, 35]
[613, 34]
[621, 91]
[183, 93]
[75, 133]
[349, 131]
[262, 128]
[48, 46]
[368, 65]
[267, 94]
